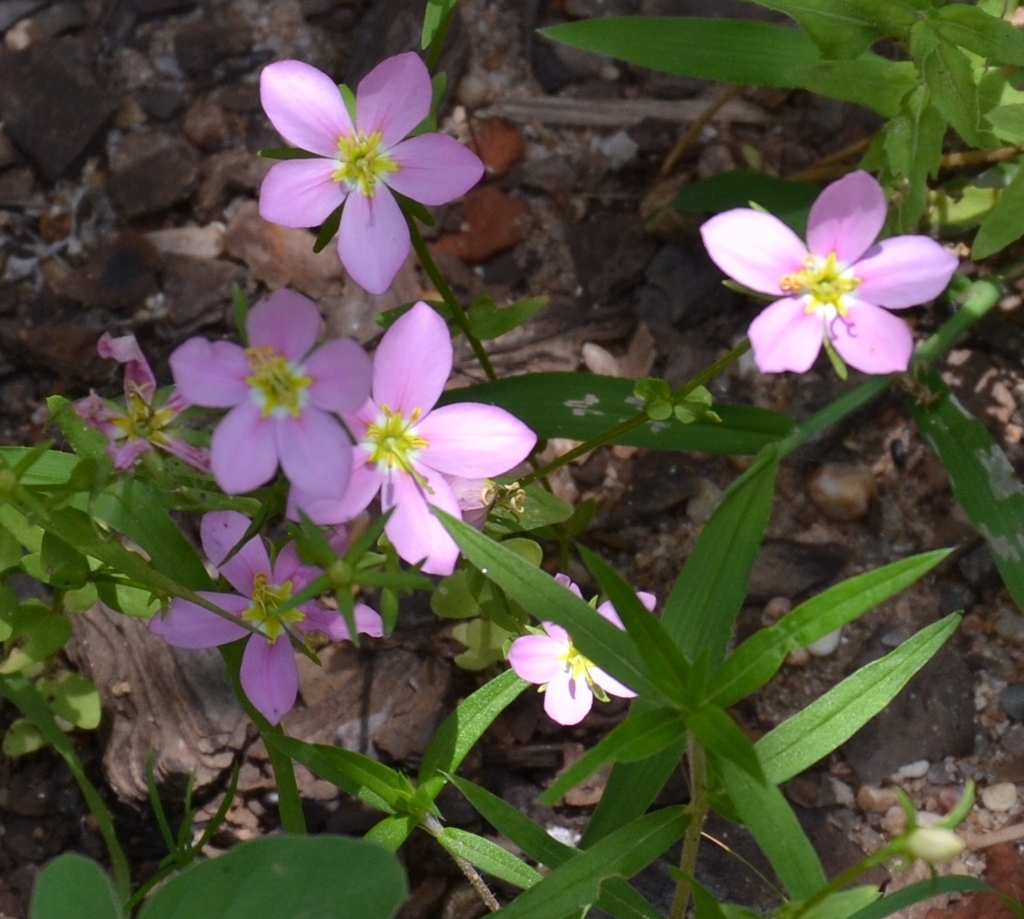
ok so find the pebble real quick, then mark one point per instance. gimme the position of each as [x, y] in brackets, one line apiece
[841, 491]
[874, 800]
[999, 798]
[798, 657]
[949, 797]
[500, 145]
[915, 770]
[894, 821]
[493, 221]
[825, 645]
[1012, 701]
[197, 242]
[1010, 626]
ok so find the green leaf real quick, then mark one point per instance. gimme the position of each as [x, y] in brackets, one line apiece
[38, 634]
[757, 660]
[913, 148]
[286, 153]
[844, 903]
[73, 885]
[583, 405]
[72, 697]
[488, 320]
[933, 887]
[732, 50]
[434, 18]
[639, 736]
[764, 810]
[789, 201]
[950, 78]
[839, 28]
[366, 779]
[1003, 226]
[832, 719]
[287, 877]
[328, 229]
[51, 468]
[63, 567]
[709, 592]
[393, 830]
[22, 737]
[987, 36]
[464, 726]
[488, 856]
[868, 80]
[719, 734]
[1008, 121]
[984, 482]
[538, 508]
[578, 883]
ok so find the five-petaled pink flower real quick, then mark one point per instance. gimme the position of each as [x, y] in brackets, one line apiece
[144, 423]
[835, 286]
[568, 680]
[360, 161]
[405, 447]
[281, 394]
[269, 674]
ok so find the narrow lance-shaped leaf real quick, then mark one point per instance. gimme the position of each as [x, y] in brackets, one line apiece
[488, 856]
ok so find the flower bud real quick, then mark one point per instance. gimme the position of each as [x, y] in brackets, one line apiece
[934, 844]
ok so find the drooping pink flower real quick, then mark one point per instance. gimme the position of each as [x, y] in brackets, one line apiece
[405, 447]
[269, 674]
[144, 423]
[281, 394]
[836, 285]
[360, 161]
[568, 680]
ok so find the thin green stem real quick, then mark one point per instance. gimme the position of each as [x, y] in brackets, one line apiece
[847, 877]
[699, 806]
[639, 419]
[450, 300]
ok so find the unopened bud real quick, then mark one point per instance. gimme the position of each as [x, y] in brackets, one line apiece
[934, 844]
[341, 573]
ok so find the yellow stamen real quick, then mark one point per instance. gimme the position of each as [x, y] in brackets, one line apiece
[822, 282]
[141, 421]
[393, 441]
[266, 598]
[280, 387]
[361, 162]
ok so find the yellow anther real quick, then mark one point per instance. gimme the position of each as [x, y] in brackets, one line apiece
[362, 162]
[264, 614]
[822, 282]
[393, 441]
[279, 386]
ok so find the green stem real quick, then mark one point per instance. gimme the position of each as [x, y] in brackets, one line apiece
[435, 828]
[450, 300]
[639, 419]
[699, 806]
[23, 694]
[847, 877]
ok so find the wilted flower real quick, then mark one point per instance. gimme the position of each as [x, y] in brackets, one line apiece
[360, 161]
[281, 393]
[568, 680]
[144, 423]
[405, 447]
[269, 674]
[834, 287]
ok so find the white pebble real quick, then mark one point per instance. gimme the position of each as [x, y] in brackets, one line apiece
[999, 798]
[915, 770]
[825, 645]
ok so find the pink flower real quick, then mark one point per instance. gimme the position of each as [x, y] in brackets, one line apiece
[405, 447]
[269, 674]
[281, 395]
[360, 162]
[834, 287]
[568, 680]
[143, 424]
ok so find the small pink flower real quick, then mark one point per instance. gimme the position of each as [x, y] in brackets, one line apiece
[835, 286]
[269, 674]
[405, 447]
[281, 394]
[143, 424]
[568, 680]
[360, 162]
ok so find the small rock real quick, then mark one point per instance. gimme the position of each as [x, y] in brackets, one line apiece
[121, 274]
[492, 221]
[915, 770]
[1009, 625]
[999, 798]
[784, 568]
[841, 491]
[825, 645]
[950, 796]
[226, 173]
[499, 144]
[151, 171]
[163, 7]
[895, 821]
[591, 9]
[160, 102]
[1012, 701]
[12, 11]
[197, 242]
[703, 504]
[619, 149]
[1013, 740]
[842, 792]
[206, 125]
[798, 657]
[200, 46]
[197, 290]
[874, 800]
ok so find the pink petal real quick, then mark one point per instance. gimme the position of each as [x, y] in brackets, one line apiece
[341, 372]
[243, 449]
[413, 361]
[754, 248]
[97, 414]
[394, 97]
[472, 440]
[904, 271]
[847, 217]
[570, 585]
[187, 453]
[363, 484]
[288, 567]
[124, 454]
[414, 531]
[305, 106]
[126, 351]
[873, 339]
[186, 625]
[221, 532]
[286, 322]
[786, 337]
[300, 193]
[434, 169]
[211, 373]
[566, 700]
[315, 452]
[269, 676]
[609, 612]
[535, 658]
[373, 240]
[332, 623]
[609, 684]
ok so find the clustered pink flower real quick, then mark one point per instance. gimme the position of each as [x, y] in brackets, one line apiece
[833, 288]
[269, 674]
[568, 680]
[406, 448]
[283, 395]
[359, 161]
[144, 423]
